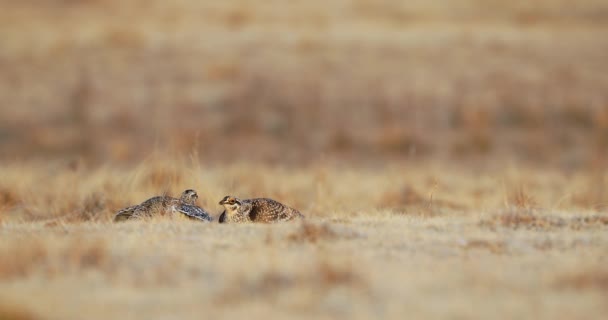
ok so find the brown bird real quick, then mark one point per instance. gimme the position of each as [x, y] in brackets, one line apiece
[162, 205]
[262, 210]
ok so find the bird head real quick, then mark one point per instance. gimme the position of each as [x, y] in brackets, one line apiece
[231, 203]
[189, 196]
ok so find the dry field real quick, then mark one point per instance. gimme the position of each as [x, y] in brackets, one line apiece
[419, 240]
[289, 81]
[450, 157]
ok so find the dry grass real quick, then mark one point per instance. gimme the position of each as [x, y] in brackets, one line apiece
[54, 192]
[588, 279]
[514, 218]
[450, 158]
[496, 247]
[276, 82]
[317, 281]
[15, 311]
[360, 252]
[313, 233]
[33, 256]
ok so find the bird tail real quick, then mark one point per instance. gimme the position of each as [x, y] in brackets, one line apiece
[125, 214]
[296, 215]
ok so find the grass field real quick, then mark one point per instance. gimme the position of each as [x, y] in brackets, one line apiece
[449, 156]
[381, 266]
[292, 82]
[423, 241]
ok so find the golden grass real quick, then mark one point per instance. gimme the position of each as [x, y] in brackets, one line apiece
[513, 218]
[43, 192]
[277, 82]
[16, 311]
[586, 279]
[63, 255]
[450, 158]
[424, 240]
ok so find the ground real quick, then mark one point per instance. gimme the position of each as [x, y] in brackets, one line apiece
[449, 156]
[423, 241]
[291, 82]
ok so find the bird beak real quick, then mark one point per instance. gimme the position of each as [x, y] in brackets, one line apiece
[222, 201]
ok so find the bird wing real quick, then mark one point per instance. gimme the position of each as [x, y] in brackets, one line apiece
[222, 218]
[194, 212]
[126, 213]
[159, 205]
[159, 201]
[268, 210]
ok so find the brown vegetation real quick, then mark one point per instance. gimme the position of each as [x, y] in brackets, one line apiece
[358, 252]
[584, 280]
[296, 82]
[16, 311]
[449, 156]
[313, 233]
[514, 218]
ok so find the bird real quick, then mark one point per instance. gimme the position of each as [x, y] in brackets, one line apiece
[194, 212]
[262, 210]
[162, 205]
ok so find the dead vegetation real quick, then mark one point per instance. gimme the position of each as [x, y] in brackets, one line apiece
[316, 267]
[450, 159]
[322, 190]
[275, 285]
[8, 198]
[34, 255]
[497, 247]
[16, 311]
[541, 220]
[589, 279]
[106, 97]
[311, 232]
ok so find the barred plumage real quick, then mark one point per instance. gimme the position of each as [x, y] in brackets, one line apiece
[163, 205]
[194, 212]
[262, 210]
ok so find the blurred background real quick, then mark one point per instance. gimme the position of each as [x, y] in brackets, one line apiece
[461, 81]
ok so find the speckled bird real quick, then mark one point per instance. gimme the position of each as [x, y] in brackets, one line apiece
[194, 212]
[262, 210]
[163, 205]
